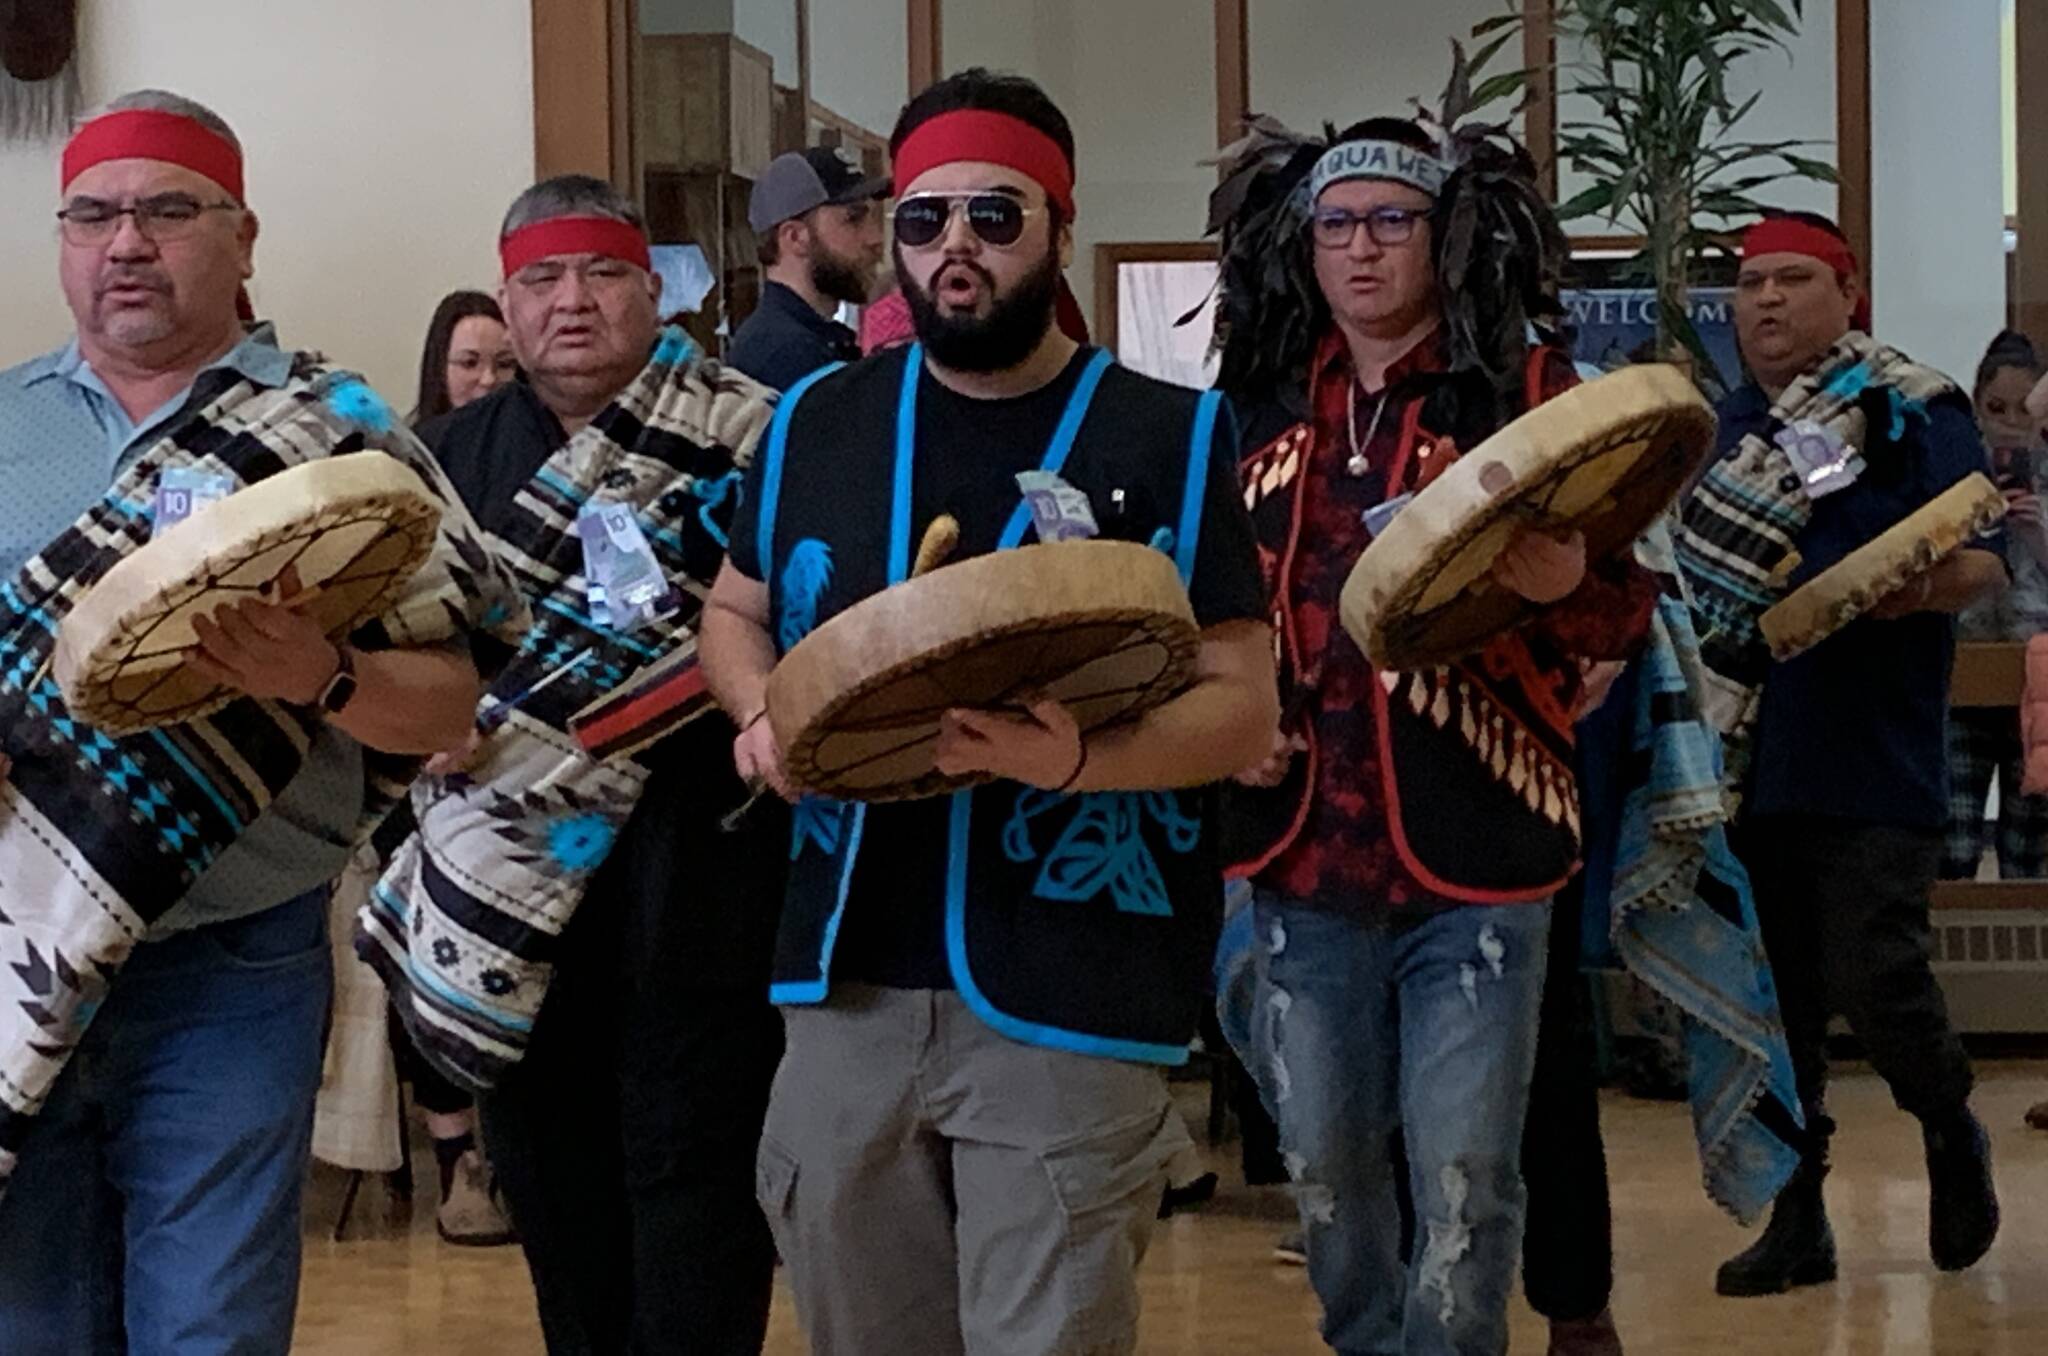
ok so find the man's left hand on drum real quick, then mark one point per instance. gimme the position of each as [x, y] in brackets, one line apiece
[1041, 749]
[1542, 568]
[268, 650]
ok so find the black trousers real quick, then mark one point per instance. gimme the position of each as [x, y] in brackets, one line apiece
[1568, 1228]
[1844, 910]
[625, 1141]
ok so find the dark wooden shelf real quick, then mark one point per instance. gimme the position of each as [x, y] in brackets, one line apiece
[1991, 896]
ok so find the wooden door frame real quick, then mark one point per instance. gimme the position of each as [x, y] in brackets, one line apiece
[582, 88]
[2031, 55]
[1852, 128]
[927, 44]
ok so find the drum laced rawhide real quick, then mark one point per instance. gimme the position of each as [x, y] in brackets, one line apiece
[1104, 627]
[1604, 459]
[354, 528]
[1868, 575]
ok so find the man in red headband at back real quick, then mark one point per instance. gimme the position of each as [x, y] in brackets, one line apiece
[156, 1205]
[967, 1141]
[1834, 439]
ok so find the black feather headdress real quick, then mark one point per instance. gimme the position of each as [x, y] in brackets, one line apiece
[1498, 250]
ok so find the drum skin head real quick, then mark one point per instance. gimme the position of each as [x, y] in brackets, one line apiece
[1104, 627]
[358, 527]
[1880, 567]
[1605, 459]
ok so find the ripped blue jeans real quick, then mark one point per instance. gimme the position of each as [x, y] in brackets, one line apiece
[1362, 1030]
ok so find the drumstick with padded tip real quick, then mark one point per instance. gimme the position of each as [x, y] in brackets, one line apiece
[941, 539]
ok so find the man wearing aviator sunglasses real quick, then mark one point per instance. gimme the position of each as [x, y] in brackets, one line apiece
[974, 1029]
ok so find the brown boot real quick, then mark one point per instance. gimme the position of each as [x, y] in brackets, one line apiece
[471, 1215]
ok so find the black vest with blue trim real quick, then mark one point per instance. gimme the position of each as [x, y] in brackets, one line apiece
[1084, 923]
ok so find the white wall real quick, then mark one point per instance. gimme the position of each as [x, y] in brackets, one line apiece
[662, 17]
[1137, 80]
[860, 60]
[769, 25]
[1340, 60]
[1937, 179]
[385, 139]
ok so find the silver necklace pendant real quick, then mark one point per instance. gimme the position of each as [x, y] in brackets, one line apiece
[1359, 463]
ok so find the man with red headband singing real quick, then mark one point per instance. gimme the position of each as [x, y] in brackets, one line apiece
[156, 1203]
[968, 1137]
[624, 1140]
[1835, 439]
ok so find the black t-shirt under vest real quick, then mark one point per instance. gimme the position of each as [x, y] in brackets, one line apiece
[910, 894]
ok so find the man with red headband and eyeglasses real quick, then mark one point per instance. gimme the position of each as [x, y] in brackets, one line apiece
[624, 1139]
[968, 1137]
[156, 1202]
[1834, 439]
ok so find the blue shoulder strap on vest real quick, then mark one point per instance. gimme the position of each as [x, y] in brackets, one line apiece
[1195, 488]
[771, 474]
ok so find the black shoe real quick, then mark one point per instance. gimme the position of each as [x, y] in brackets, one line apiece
[1798, 1248]
[1195, 1193]
[1962, 1204]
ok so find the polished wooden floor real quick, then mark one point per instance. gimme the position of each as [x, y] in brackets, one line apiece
[1210, 1288]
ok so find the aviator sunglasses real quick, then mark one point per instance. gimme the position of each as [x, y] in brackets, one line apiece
[995, 217]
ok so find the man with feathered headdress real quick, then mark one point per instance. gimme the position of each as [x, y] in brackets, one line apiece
[1380, 297]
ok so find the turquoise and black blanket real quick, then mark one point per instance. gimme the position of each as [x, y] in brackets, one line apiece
[1683, 920]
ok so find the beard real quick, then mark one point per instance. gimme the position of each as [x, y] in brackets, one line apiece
[840, 278]
[1012, 330]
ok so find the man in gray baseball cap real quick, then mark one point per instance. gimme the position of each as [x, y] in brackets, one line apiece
[819, 223]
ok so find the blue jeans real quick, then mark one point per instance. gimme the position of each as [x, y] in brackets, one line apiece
[156, 1205]
[1364, 1031]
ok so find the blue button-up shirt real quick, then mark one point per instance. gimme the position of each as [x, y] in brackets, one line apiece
[64, 439]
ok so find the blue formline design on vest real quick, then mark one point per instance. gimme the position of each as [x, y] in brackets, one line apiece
[1102, 847]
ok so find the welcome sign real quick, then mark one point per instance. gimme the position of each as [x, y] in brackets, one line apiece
[1614, 326]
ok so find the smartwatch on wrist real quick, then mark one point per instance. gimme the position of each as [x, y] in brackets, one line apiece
[341, 688]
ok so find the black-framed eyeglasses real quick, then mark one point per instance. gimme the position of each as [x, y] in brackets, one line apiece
[163, 218]
[996, 218]
[1336, 228]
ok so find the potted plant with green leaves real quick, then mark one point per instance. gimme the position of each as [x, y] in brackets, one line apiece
[1667, 147]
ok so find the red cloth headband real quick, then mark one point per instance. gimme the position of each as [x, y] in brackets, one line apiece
[999, 139]
[148, 134]
[574, 235]
[1788, 235]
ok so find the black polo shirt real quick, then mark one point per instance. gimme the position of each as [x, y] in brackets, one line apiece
[784, 340]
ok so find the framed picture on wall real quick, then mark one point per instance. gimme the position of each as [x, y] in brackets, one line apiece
[1142, 291]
